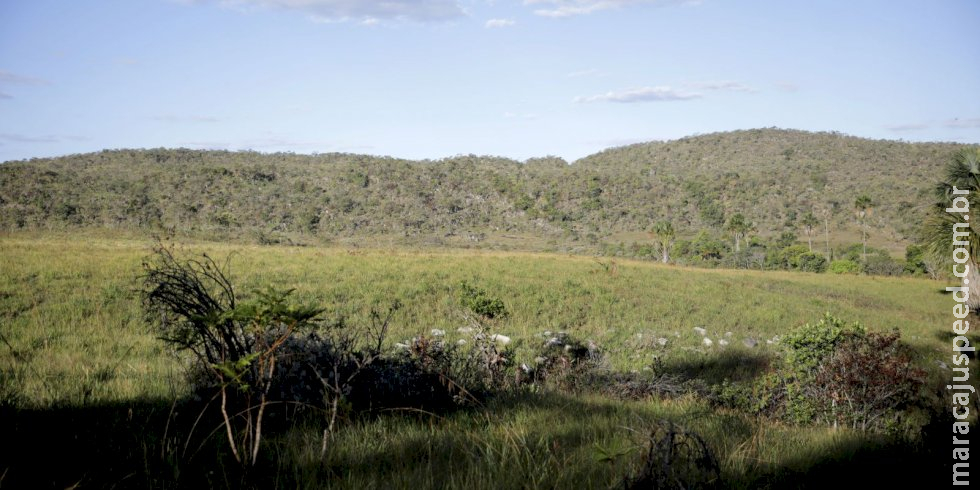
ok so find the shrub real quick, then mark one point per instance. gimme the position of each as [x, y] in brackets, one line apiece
[881, 264]
[915, 260]
[258, 353]
[866, 381]
[480, 302]
[845, 266]
[673, 458]
[811, 262]
[810, 344]
[838, 373]
[565, 363]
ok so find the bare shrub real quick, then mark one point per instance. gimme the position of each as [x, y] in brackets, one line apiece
[867, 381]
[674, 458]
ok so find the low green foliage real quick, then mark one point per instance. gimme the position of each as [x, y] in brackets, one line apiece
[845, 266]
[838, 373]
[812, 343]
[480, 302]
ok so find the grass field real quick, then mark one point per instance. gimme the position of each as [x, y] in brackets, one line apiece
[85, 379]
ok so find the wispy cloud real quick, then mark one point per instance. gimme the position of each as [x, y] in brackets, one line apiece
[364, 11]
[906, 128]
[265, 142]
[497, 23]
[642, 94]
[968, 123]
[13, 78]
[49, 138]
[726, 85]
[174, 119]
[787, 86]
[4, 96]
[955, 123]
[569, 8]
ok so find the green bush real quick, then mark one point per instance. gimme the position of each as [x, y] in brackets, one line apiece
[845, 266]
[881, 264]
[810, 344]
[837, 373]
[810, 262]
[480, 302]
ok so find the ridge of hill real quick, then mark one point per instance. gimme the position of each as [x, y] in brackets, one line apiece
[772, 176]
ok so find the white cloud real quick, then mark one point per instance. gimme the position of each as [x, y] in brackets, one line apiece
[642, 94]
[569, 8]
[492, 23]
[4, 96]
[365, 11]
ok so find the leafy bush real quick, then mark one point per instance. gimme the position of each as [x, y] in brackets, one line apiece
[881, 264]
[845, 266]
[915, 260]
[480, 302]
[810, 344]
[786, 258]
[810, 262]
[837, 373]
[258, 354]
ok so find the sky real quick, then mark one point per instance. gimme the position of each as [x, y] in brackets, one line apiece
[427, 79]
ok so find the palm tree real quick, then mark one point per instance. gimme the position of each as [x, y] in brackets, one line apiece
[862, 208]
[809, 221]
[963, 174]
[663, 232]
[738, 227]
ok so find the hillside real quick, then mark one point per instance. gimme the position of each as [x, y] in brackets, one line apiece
[771, 176]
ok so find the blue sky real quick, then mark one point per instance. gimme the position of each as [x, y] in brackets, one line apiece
[435, 78]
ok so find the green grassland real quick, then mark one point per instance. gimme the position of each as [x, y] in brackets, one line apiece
[84, 379]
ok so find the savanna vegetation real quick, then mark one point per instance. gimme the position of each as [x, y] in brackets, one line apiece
[778, 188]
[427, 333]
[573, 371]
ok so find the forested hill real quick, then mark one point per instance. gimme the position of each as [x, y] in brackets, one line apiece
[771, 176]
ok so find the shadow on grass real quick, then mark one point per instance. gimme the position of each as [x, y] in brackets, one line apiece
[528, 440]
[129, 444]
[733, 364]
[566, 455]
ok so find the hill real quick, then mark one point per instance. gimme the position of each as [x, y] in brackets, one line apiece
[771, 176]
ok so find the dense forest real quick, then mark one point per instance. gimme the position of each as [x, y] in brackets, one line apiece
[771, 179]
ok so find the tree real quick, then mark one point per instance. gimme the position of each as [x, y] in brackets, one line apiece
[809, 221]
[862, 209]
[825, 212]
[663, 232]
[962, 174]
[738, 227]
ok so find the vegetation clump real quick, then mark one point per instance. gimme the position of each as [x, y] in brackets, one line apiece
[837, 373]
